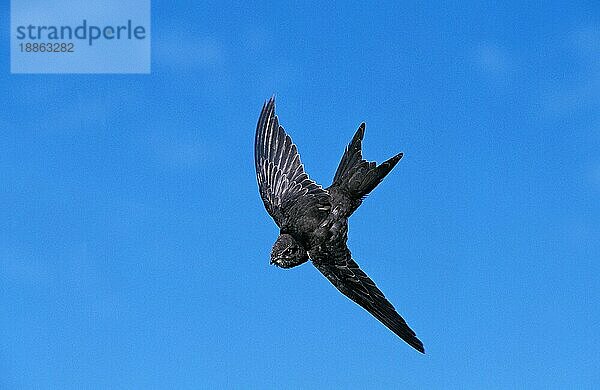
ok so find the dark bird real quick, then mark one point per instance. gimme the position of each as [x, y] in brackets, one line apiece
[313, 222]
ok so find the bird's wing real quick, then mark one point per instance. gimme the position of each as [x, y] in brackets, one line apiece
[282, 181]
[336, 263]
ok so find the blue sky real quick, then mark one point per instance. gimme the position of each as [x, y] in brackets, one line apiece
[134, 248]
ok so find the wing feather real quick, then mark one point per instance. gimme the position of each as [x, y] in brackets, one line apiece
[279, 170]
[336, 264]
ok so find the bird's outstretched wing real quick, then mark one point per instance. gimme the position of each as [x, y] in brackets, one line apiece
[282, 182]
[335, 262]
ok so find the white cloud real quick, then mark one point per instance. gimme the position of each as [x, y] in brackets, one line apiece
[493, 60]
[16, 266]
[565, 99]
[179, 153]
[586, 40]
[182, 50]
[581, 90]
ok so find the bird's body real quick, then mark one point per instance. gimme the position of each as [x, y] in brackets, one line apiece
[313, 221]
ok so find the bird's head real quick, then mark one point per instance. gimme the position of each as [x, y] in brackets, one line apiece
[287, 252]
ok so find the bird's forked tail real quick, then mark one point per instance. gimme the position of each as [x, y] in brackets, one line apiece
[356, 176]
